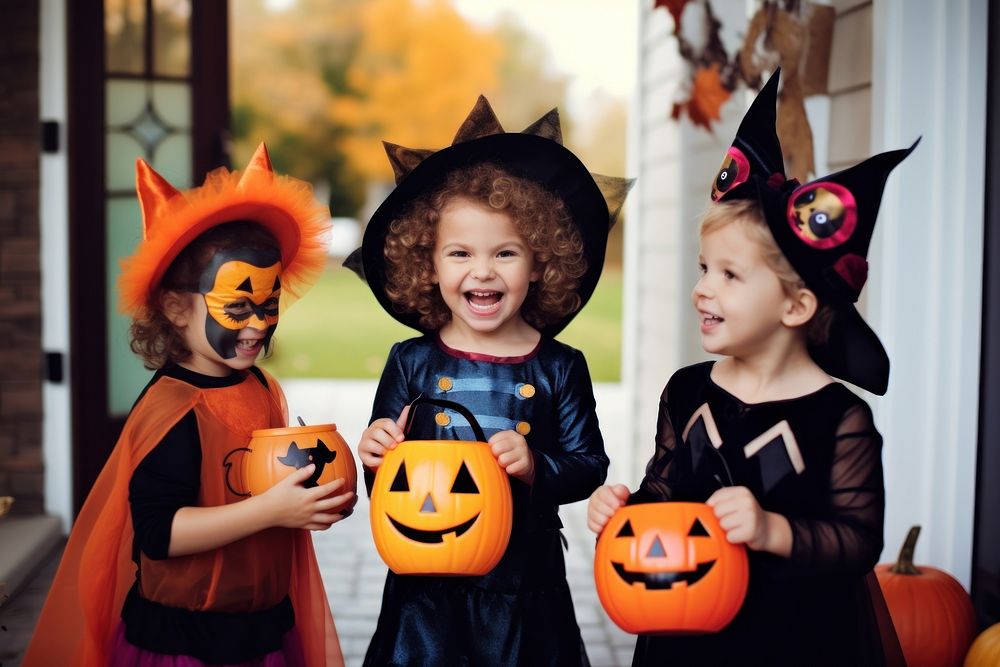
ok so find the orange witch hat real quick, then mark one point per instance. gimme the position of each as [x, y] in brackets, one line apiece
[171, 219]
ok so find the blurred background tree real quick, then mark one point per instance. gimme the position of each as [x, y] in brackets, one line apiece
[324, 82]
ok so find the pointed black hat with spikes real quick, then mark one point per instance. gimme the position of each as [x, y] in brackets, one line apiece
[823, 228]
[536, 154]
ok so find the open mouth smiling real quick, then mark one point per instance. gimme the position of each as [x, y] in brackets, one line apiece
[484, 301]
[249, 343]
[662, 580]
[431, 536]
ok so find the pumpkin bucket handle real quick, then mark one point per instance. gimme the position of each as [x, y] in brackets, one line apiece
[450, 405]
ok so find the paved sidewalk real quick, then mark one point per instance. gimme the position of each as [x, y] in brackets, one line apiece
[352, 571]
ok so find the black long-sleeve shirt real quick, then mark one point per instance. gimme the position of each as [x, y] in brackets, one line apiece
[816, 460]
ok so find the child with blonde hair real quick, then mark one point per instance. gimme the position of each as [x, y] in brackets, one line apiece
[788, 458]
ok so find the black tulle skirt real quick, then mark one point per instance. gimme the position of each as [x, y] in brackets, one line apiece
[820, 622]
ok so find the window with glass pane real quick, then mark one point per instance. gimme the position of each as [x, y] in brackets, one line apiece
[148, 115]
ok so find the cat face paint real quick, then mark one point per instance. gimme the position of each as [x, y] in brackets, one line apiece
[242, 288]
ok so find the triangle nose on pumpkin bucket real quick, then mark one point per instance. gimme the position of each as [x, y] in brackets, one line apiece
[656, 549]
[428, 506]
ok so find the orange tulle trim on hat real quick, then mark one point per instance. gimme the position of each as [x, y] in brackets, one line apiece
[172, 219]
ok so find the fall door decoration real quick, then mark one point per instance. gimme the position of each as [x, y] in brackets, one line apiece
[667, 568]
[441, 507]
[793, 35]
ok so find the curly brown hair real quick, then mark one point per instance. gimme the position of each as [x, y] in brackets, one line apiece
[540, 217]
[749, 214]
[152, 335]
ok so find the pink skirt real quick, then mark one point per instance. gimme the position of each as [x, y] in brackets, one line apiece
[124, 654]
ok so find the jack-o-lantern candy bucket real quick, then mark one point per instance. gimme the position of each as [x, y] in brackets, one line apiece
[667, 568]
[274, 453]
[441, 506]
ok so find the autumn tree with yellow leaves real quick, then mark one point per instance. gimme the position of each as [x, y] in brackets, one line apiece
[325, 82]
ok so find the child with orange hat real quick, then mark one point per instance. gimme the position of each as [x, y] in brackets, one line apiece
[167, 563]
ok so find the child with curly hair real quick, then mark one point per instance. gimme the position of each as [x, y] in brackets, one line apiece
[489, 247]
[168, 564]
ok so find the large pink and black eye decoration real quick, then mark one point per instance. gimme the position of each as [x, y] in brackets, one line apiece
[735, 169]
[823, 215]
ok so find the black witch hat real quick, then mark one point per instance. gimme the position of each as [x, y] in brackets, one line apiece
[823, 228]
[536, 154]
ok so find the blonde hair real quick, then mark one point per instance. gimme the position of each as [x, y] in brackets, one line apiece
[747, 213]
[541, 218]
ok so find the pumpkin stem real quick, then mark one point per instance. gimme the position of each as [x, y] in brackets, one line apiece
[904, 565]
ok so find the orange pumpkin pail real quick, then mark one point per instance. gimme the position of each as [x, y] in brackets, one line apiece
[441, 507]
[274, 453]
[667, 568]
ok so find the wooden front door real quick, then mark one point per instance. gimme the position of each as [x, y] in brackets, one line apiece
[149, 79]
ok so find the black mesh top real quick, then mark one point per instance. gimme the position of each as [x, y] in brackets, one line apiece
[815, 459]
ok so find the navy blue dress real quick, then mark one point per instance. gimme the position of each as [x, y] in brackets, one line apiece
[521, 612]
[816, 460]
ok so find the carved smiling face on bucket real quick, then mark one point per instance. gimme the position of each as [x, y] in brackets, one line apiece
[441, 507]
[667, 567]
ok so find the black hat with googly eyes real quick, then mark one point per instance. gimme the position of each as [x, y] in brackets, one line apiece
[823, 228]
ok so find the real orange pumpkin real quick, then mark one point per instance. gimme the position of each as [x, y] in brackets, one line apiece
[985, 651]
[667, 568]
[274, 453]
[932, 613]
[441, 506]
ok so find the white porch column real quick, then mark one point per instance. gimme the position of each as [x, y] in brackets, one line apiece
[924, 300]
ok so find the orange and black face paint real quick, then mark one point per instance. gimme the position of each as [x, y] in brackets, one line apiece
[242, 288]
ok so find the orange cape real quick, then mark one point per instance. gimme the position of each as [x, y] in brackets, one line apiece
[82, 611]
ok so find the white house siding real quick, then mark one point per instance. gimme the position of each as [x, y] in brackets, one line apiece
[849, 85]
[675, 163]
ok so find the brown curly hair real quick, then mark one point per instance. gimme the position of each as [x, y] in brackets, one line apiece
[152, 335]
[541, 218]
[749, 214]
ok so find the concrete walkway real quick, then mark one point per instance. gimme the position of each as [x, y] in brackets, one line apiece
[352, 571]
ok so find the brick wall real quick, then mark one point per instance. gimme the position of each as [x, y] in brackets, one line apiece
[20, 302]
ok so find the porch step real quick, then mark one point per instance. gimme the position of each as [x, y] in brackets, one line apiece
[25, 542]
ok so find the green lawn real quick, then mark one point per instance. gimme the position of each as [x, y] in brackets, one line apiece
[339, 330]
